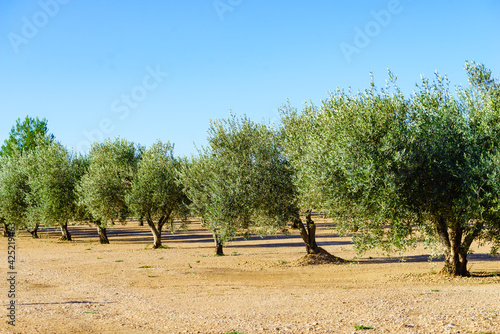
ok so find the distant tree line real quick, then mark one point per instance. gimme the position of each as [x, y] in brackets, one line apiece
[392, 170]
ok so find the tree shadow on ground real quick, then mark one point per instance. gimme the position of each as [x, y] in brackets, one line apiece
[423, 258]
[130, 234]
[285, 241]
[142, 234]
[121, 234]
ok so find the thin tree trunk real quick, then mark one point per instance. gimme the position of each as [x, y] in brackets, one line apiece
[157, 229]
[308, 233]
[156, 232]
[65, 232]
[34, 231]
[11, 229]
[103, 238]
[141, 221]
[218, 244]
[455, 254]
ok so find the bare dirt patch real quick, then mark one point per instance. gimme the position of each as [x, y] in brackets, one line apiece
[128, 287]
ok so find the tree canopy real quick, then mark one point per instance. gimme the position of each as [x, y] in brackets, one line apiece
[240, 183]
[404, 170]
[156, 193]
[52, 182]
[13, 189]
[23, 135]
[103, 189]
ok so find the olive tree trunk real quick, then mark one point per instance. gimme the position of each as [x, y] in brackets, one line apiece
[34, 231]
[456, 246]
[65, 232]
[101, 230]
[157, 228]
[156, 234]
[5, 229]
[308, 233]
[218, 244]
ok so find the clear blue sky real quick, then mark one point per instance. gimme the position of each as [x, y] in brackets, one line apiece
[147, 70]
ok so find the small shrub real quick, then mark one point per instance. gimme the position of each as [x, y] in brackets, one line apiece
[361, 327]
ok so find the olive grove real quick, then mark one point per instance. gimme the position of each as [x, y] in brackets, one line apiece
[397, 170]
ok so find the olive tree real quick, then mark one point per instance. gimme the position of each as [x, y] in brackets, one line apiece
[23, 138]
[51, 180]
[241, 183]
[404, 170]
[13, 190]
[156, 193]
[450, 166]
[103, 189]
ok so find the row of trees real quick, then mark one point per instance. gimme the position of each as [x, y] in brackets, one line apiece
[397, 170]
[404, 170]
[42, 183]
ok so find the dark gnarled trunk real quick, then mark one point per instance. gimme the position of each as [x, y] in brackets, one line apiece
[455, 250]
[308, 233]
[101, 230]
[218, 244]
[65, 235]
[34, 231]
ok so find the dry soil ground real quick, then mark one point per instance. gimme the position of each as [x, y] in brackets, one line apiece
[128, 287]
